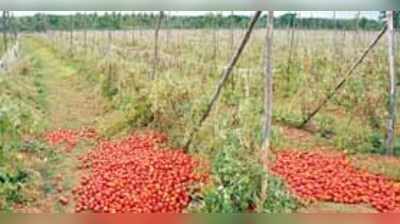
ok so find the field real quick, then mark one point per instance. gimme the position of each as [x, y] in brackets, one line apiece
[84, 116]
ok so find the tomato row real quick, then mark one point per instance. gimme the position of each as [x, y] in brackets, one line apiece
[136, 174]
[331, 177]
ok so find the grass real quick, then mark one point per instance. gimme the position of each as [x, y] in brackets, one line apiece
[22, 113]
[44, 94]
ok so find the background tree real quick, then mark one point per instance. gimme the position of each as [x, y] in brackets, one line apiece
[156, 37]
[116, 21]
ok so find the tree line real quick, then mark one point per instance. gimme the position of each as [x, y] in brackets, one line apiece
[117, 21]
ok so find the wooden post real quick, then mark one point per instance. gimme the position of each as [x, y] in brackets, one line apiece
[214, 42]
[335, 42]
[155, 56]
[85, 24]
[5, 41]
[224, 77]
[292, 26]
[71, 37]
[357, 38]
[13, 27]
[232, 41]
[345, 78]
[166, 26]
[391, 123]
[110, 38]
[133, 29]
[267, 117]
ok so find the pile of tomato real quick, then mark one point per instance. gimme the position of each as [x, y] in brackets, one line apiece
[137, 174]
[330, 177]
[69, 137]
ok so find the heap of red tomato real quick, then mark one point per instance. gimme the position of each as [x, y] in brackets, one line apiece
[331, 177]
[136, 174]
[69, 137]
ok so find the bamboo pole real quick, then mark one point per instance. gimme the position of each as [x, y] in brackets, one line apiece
[392, 85]
[5, 41]
[267, 117]
[224, 77]
[71, 37]
[156, 37]
[348, 74]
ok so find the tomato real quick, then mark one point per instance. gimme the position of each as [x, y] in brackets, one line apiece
[330, 177]
[136, 174]
[69, 137]
[63, 200]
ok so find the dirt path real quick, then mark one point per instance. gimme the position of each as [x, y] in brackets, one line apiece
[71, 105]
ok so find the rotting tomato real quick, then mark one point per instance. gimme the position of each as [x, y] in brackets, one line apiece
[136, 174]
[330, 177]
[69, 137]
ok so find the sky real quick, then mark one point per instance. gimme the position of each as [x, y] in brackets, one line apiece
[321, 14]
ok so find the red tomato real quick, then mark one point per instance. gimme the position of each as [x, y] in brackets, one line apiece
[136, 175]
[330, 177]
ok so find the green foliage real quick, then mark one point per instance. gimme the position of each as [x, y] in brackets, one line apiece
[352, 136]
[22, 113]
[108, 89]
[238, 177]
[377, 144]
[138, 111]
[17, 117]
[11, 119]
[239, 180]
[279, 199]
[326, 124]
[286, 116]
[22, 104]
[41, 92]
[11, 184]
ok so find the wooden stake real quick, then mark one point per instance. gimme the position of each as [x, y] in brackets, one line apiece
[155, 59]
[71, 43]
[267, 118]
[5, 41]
[225, 75]
[391, 123]
[346, 77]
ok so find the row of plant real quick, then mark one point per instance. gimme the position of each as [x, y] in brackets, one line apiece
[22, 115]
[188, 71]
[172, 104]
[304, 73]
